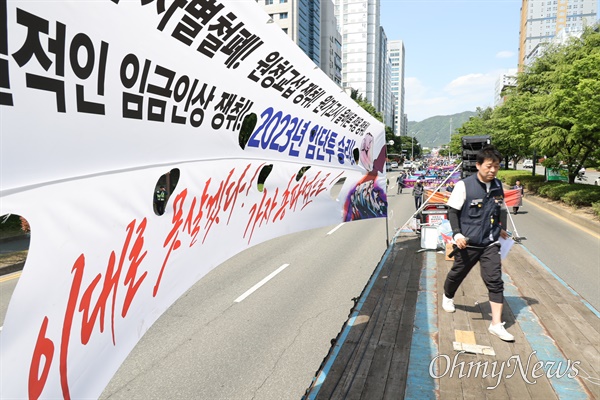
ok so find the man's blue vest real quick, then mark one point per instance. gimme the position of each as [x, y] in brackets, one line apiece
[480, 214]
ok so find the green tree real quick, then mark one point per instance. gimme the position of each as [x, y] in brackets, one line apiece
[564, 96]
[511, 127]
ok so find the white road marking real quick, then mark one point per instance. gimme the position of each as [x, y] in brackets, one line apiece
[335, 229]
[259, 284]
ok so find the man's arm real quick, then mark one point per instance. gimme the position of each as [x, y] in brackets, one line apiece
[455, 204]
[454, 218]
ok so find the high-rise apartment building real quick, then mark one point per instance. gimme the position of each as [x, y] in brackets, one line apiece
[301, 20]
[396, 55]
[358, 22]
[312, 25]
[385, 83]
[541, 20]
[331, 43]
[504, 81]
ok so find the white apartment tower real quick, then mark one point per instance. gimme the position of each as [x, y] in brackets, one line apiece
[541, 20]
[504, 81]
[385, 83]
[396, 55]
[358, 22]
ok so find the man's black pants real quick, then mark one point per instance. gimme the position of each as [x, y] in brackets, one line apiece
[418, 201]
[490, 267]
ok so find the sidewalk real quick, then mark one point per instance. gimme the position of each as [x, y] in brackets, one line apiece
[399, 343]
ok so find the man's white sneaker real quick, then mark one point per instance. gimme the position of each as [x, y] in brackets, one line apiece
[448, 304]
[499, 331]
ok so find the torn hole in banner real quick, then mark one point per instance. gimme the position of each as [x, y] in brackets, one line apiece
[14, 246]
[246, 130]
[301, 172]
[165, 185]
[263, 175]
[336, 188]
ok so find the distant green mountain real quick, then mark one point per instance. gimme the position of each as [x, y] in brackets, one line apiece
[435, 131]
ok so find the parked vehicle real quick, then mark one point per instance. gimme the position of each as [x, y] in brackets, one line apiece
[407, 164]
[528, 163]
[394, 164]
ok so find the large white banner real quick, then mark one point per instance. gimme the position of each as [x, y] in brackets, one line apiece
[98, 99]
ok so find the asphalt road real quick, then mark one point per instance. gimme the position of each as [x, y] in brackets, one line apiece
[7, 287]
[269, 344]
[572, 252]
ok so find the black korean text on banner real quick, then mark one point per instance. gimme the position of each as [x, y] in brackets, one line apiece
[6, 98]
[224, 34]
[151, 89]
[276, 72]
[160, 83]
[60, 54]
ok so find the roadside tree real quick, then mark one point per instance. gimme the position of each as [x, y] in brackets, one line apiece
[563, 87]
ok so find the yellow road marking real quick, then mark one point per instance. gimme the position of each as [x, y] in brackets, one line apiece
[594, 234]
[10, 277]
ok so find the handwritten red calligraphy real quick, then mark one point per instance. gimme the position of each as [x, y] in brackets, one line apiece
[45, 346]
[302, 192]
[206, 210]
[193, 215]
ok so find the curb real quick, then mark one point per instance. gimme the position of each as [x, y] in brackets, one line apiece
[9, 269]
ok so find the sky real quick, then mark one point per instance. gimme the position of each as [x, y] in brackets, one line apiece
[455, 51]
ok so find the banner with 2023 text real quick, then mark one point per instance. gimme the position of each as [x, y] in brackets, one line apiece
[98, 99]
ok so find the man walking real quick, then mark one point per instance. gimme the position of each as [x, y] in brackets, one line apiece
[418, 193]
[400, 183]
[474, 214]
